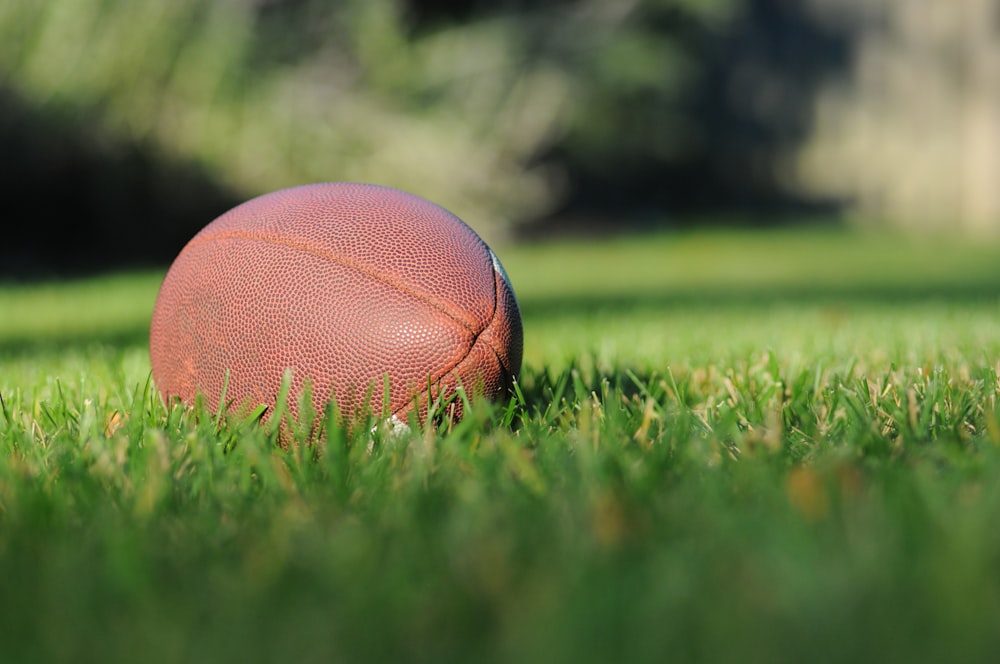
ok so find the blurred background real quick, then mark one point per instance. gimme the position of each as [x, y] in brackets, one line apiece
[126, 126]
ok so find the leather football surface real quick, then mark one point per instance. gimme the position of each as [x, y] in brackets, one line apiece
[372, 296]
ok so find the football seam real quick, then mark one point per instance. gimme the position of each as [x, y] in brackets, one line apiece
[457, 363]
[439, 304]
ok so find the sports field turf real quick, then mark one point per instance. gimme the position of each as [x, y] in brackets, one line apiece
[730, 447]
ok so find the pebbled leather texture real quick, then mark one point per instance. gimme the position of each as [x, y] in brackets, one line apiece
[348, 286]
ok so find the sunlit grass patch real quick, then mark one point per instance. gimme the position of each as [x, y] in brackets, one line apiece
[779, 471]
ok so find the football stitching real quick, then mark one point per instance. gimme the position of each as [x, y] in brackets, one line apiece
[441, 305]
[437, 377]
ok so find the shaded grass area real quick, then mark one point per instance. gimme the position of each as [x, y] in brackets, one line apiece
[757, 477]
[658, 275]
[112, 310]
[768, 264]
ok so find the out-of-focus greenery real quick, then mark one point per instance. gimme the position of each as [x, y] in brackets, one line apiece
[280, 93]
[448, 115]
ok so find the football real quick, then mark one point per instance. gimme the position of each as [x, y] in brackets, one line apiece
[373, 297]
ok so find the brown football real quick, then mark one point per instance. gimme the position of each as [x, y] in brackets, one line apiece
[371, 295]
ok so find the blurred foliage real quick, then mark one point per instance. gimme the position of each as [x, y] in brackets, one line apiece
[505, 113]
[269, 98]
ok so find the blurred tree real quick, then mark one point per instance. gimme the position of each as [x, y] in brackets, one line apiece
[505, 112]
[691, 108]
[669, 105]
[260, 96]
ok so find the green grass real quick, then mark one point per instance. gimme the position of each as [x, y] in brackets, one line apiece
[777, 447]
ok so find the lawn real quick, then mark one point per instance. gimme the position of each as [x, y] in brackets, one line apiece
[779, 446]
